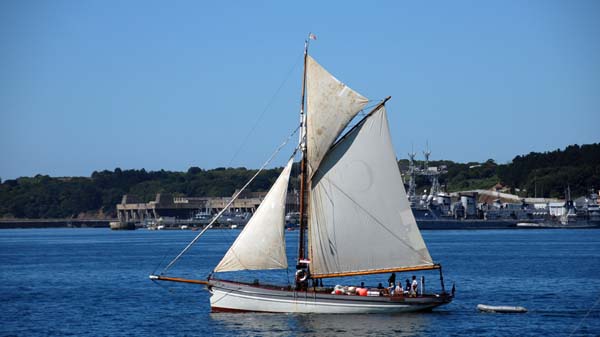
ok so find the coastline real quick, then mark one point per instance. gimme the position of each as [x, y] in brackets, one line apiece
[54, 223]
[434, 225]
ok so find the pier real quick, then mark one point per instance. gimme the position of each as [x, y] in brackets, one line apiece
[190, 210]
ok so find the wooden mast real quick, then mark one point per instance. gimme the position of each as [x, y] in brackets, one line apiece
[303, 164]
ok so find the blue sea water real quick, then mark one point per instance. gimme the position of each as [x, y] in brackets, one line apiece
[94, 282]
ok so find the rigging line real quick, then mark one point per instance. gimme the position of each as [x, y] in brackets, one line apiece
[358, 124]
[230, 202]
[171, 291]
[161, 286]
[161, 261]
[369, 107]
[584, 317]
[264, 111]
[364, 111]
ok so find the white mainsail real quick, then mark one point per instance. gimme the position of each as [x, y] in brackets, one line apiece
[331, 105]
[360, 219]
[261, 245]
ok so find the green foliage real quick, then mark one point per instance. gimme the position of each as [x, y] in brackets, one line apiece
[542, 174]
[460, 176]
[50, 197]
[46, 197]
[549, 174]
[535, 174]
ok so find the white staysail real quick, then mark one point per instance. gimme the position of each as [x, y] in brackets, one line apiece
[331, 105]
[360, 218]
[261, 245]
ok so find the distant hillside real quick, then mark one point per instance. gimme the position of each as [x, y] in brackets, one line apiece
[542, 174]
[545, 174]
[551, 172]
[47, 197]
[460, 176]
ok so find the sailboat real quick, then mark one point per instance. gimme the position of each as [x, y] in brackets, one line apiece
[355, 217]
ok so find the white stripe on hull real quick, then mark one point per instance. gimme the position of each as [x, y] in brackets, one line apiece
[242, 298]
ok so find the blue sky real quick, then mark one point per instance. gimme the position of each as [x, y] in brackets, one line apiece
[93, 85]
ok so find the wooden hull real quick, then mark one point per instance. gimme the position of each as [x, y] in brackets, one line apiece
[239, 297]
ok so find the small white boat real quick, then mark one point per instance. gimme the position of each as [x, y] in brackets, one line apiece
[501, 308]
[530, 225]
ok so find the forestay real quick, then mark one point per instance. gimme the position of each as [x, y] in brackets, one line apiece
[261, 244]
[360, 219]
[331, 105]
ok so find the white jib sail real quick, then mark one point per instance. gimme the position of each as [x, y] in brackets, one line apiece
[360, 218]
[261, 244]
[330, 107]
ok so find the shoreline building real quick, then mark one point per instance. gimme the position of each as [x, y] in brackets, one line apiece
[167, 206]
